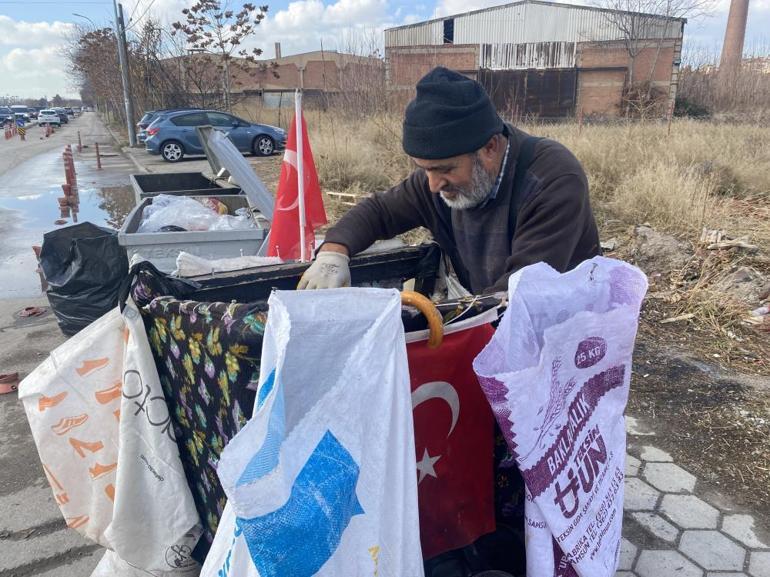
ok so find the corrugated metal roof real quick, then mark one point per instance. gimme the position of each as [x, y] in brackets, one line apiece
[526, 22]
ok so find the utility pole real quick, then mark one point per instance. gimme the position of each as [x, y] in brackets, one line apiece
[120, 33]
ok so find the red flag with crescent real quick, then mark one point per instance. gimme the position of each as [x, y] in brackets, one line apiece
[284, 230]
[454, 439]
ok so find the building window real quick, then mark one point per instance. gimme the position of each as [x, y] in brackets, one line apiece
[449, 31]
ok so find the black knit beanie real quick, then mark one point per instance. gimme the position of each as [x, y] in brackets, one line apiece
[451, 115]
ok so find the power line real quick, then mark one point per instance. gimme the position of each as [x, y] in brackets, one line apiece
[140, 17]
[29, 2]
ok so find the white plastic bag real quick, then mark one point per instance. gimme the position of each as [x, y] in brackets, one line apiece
[557, 374]
[155, 525]
[321, 480]
[191, 265]
[189, 214]
[111, 565]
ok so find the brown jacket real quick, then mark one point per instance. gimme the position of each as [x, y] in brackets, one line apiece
[554, 222]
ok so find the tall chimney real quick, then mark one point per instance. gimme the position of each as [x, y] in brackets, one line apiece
[732, 49]
[278, 45]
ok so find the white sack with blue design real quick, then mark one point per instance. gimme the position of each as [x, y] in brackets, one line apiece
[321, 480]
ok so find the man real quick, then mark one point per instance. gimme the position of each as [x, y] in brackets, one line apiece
[494, 198]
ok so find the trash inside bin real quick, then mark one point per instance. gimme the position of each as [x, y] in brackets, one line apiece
[200, 213]
[84, 266]
[162, 248]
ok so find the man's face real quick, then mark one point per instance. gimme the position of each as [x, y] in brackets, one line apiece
[463, 181]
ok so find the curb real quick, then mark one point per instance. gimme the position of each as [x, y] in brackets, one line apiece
[126, 151]
[130, 154]
[115, 139]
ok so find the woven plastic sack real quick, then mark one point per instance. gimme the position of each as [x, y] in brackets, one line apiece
[321, 481]
[72, 401]
[155, 524]
[101, 427]
[556, 374]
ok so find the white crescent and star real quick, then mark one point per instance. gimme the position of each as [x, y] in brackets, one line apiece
[435, 390]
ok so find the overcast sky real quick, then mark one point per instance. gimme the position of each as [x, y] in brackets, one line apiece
[32, 32]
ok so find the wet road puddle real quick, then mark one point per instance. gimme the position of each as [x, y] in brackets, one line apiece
[104, 207]
[26, 218]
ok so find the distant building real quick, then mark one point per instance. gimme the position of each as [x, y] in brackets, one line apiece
[542, 58]
[759, 64]
[323, 76]
[319, 74]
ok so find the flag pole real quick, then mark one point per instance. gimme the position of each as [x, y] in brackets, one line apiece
[300, 173]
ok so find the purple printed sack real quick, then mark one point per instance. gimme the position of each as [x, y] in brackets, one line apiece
[556, 374]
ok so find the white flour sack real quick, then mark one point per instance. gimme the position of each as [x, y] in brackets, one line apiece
[556, 374]
[322, 481]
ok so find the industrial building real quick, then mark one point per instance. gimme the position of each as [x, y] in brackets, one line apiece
[544, 59]
[321, 75]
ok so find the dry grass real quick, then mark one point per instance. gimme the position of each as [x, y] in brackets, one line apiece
[680, 183]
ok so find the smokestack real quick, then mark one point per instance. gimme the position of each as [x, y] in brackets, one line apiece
[732, 49]
[278, 45]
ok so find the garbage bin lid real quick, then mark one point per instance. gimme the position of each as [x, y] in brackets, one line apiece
[222, 154]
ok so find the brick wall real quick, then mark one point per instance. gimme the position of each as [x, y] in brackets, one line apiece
[614, 54]
[602, 70]
[407, 65]
[318, 75]
[322, 76]
[600, 92]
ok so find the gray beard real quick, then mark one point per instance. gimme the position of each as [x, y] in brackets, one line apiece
[473, 195]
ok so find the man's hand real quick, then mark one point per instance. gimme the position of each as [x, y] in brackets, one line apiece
[329, 270]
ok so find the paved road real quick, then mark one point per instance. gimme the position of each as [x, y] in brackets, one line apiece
[674, 525]
[33, 537]
[31, 175]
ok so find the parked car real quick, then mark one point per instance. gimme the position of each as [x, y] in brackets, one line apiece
[6, 116]
[150, 116]
[173, 134]
[48, 117]
[69, 111]
[62, 115]
[21, 112]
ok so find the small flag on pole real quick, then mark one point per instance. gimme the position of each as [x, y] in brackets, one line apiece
[299, 208]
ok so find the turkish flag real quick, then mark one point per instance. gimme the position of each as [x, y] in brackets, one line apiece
[284, 230]
[454, 440]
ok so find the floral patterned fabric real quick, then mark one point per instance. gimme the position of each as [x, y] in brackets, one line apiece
[207, 356]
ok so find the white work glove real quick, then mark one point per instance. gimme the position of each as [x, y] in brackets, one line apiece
[329, 270]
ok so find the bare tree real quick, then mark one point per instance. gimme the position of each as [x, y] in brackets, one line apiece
[704, 91]
[94, 63]
[212, 28]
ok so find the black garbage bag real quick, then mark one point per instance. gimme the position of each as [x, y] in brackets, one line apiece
[84, 266]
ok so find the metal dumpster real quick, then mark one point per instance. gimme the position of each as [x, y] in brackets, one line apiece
[179, 183]
[162, 248]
